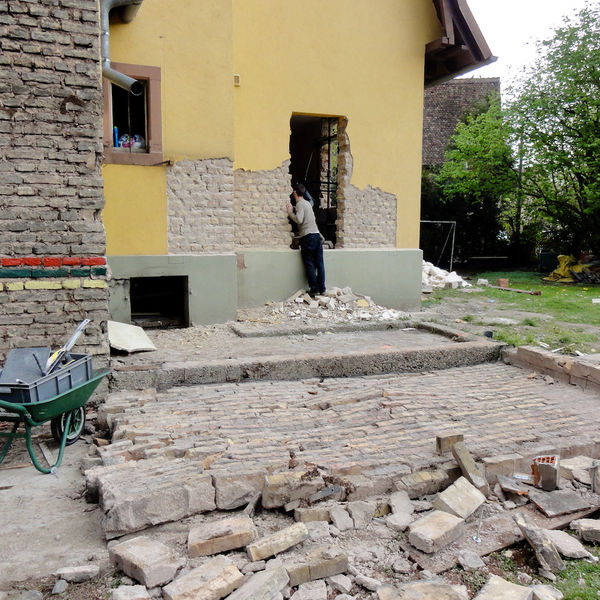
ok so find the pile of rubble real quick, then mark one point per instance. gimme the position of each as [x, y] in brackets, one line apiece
[336, 305]
[300, 534]
[434, 277]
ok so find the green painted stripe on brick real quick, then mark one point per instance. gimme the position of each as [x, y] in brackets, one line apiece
[80, 272]
[49, 272]
[15, 273]
[98, 270]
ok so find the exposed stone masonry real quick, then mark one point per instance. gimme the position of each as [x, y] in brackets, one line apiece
[365, 218]
[260, 215]
[51, 189]
[200, 200]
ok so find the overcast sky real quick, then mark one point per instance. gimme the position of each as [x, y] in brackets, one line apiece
[511, 28]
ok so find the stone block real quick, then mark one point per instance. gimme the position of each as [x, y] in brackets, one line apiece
[546, 592]
[398, 521]
[277, 542]
[281, 488]
[361, 513]
[588, 529]
[78, 574]
[499, 589]
[423, 483]
[461, 499]
[130, 592]
[234, 490]
[444, 443]
[400, 503]
[541, 543]
[212, 581]
[314, 590]
[305, 515]
[215, 537]
[501, 464]
[578, 463]
[567, 545]
[469, 560]
[340, 518]
[156, 491]
[340, 583]
[369, 583]
[434, 531]
[324, 561]
[262, 586]
[148, 561]
[469, 469]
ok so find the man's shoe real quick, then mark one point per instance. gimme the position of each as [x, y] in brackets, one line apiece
[312, 293]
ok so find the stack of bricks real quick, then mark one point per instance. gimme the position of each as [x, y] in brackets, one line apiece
[53, 271]
[260, 215]
[200, 199]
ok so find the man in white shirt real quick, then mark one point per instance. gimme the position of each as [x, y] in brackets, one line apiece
[311, 241]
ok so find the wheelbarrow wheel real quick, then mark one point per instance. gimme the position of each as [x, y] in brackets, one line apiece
[57, 425]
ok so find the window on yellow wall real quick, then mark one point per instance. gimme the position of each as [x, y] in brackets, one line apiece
[133, 124]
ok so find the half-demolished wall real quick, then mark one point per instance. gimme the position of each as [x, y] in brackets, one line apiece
[53, 270]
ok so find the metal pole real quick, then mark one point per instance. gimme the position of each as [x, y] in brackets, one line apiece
[452, 248]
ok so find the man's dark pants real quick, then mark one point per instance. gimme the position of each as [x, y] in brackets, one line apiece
[311, 249]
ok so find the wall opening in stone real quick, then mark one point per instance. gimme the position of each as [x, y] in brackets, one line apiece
[314, 147]
[159, 302]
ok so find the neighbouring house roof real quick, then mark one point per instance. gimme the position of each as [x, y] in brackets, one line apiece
[444, 106]
[460, 49]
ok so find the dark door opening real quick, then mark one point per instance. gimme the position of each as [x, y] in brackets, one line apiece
[314, 154]
[159, 302]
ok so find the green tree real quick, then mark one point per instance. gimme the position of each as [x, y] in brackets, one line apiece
[556, 117]
[479, 175]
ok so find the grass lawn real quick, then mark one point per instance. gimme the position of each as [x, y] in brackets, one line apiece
[567, 317]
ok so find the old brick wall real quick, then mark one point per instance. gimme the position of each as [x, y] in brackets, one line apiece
[51, 191]
[444, 105]
[200, 201]
[260, 216]
[365, 218]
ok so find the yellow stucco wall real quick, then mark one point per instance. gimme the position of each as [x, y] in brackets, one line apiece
[135, 215]
[191, 41]
[362, 59]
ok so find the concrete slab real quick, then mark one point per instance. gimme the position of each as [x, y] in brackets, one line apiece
[128, 338]
[559, 502]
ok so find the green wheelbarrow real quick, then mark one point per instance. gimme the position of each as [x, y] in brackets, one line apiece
[37, 387]
[66, 413]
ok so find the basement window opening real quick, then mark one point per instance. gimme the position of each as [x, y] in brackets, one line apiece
[314, 149]
[159, 302]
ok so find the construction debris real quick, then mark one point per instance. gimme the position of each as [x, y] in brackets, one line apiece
[337, 305]
[499, 589]
[540, 541]
[434, 277]
[469, 469]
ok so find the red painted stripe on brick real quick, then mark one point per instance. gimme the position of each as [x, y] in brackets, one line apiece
[70, 261]
[93, 260]
[32, 261]
[51, 261]
[12, 262]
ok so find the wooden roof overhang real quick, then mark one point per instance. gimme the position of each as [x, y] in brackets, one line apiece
[462, 46]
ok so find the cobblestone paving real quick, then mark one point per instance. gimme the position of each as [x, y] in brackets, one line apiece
[372, 425]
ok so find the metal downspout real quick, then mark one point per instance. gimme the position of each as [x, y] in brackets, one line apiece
[127, 11]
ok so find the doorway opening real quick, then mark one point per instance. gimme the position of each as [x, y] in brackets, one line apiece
[159, 302]
[314, 149]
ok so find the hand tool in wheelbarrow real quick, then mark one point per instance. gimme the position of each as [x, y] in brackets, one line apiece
[62, 354]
